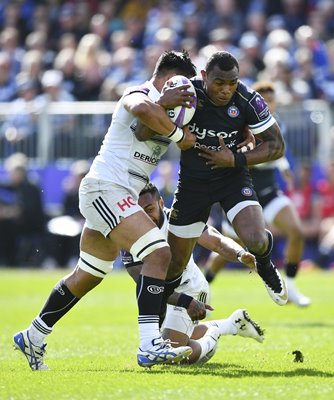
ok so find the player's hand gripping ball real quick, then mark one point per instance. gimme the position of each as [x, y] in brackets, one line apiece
[182, 115]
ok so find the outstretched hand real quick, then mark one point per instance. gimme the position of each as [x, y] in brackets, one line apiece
[197, 310]
[223, 158]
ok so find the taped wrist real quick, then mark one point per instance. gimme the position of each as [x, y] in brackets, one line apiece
[184, 300]
[176, 135]
[240, 254]
[240, 160]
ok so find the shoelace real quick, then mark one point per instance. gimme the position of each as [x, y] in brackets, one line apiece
[271, 278]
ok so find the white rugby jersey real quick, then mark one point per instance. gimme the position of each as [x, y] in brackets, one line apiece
[122, 158]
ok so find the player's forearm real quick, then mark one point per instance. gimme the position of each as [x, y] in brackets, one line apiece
[272, 147]
[214, 241]
[154, 117]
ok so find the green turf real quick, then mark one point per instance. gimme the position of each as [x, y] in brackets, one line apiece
[92, 351]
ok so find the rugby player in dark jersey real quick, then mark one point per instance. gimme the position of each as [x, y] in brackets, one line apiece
[213, 171]
[278, 210]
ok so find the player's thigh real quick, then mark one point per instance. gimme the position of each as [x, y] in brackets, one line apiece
[249, 225]
[113, 211]
[93, 242]
[178, 321]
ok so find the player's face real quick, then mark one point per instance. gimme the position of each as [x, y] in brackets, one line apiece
[220, 85]
[152, 207]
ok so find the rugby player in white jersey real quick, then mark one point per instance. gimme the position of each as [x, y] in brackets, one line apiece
[108, 200]
[177, 325]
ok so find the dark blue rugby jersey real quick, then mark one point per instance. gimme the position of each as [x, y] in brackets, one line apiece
[246, 107]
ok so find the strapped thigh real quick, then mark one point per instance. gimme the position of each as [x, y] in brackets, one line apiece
[146, 244]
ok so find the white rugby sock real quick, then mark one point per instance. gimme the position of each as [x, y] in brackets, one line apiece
[208, 345]
[225, 326]
[148, 330]
[38, 331]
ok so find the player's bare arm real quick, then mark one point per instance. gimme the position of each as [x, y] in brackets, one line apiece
[145, 133]
[271, 148]
[149, 113]
[213, 240]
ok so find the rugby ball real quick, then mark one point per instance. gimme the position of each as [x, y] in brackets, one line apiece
[181, 115]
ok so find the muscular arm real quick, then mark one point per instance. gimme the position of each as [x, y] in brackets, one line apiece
[150, 114]
[213, 240]
[271, 148]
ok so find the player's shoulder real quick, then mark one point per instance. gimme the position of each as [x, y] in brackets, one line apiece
[198, 82]
[144, 88]
[253, 101]
[245, 92]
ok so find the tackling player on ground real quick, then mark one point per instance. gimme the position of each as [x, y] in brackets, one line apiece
[177, 325]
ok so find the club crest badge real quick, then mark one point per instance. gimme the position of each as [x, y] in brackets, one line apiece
[233, 111]
[246, 191]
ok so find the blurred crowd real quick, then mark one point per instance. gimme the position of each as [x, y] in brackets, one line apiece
[95, 48]
[90, 50]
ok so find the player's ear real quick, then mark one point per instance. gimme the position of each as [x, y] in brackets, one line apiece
[161, 202]
[204, 75]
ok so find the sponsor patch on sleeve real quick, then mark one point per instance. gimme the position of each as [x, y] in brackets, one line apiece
[260, 107]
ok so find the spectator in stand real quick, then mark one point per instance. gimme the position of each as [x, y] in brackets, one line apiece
[10, 44]
[250, 44]
[37, 40]
[7, 84]
[61, 125]
[22, 218]
[99, 25]
[92, 64]
[19, 130]
[32, 65]
[64, 62]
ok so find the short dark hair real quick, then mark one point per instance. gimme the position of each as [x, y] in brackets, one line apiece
[176, 61]
[225, 61]
[152, 189]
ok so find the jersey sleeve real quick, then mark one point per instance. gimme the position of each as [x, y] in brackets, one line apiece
[137, 89]
[258, 114]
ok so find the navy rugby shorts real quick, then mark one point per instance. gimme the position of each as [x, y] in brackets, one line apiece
[194, 197]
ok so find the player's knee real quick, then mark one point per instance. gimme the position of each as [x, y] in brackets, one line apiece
[257, 242]
[80, 282]
[159, 258]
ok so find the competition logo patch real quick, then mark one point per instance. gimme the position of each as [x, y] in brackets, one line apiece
[246, 191]
[233, 111]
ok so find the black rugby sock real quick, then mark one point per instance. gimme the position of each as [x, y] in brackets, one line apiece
[150, 293]
[291, 270]
[60, 301]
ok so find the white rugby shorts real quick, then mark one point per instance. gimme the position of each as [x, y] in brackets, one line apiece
[103, 204]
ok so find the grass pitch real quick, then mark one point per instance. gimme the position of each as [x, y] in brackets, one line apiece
[92, 351]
